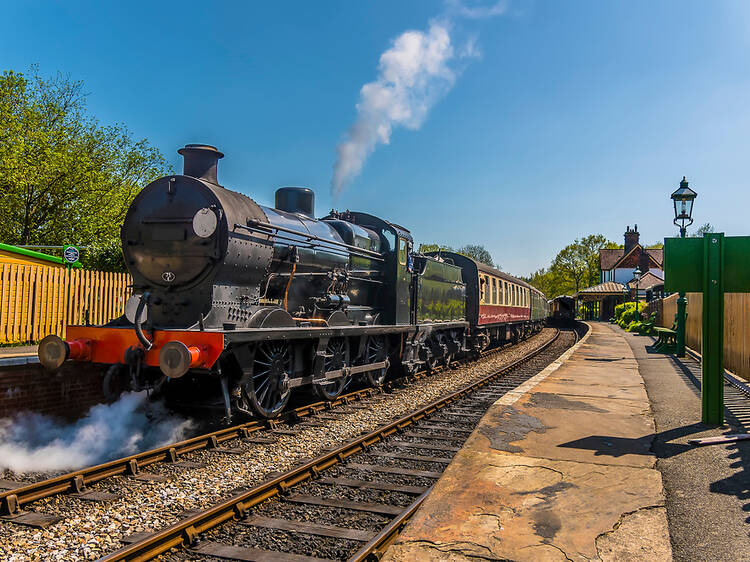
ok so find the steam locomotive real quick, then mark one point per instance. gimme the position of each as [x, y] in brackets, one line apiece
[236, 304]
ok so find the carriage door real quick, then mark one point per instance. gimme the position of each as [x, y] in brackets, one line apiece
[403, 283]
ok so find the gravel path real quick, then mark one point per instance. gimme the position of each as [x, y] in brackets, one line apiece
[90, 530]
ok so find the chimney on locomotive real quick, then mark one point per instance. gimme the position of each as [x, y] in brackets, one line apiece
[200, 161]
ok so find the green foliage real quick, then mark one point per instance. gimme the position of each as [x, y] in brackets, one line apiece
[625, 314]
[479, 253]
[575, 267]
[633, 326]
[103, 256]
[64, 178]
[703, 229]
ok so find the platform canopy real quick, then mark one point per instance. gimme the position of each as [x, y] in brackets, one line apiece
[600, 291]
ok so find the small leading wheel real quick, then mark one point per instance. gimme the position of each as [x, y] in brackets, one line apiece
[337, 357]
[446, 359]
[268, 388]
[434, 356]
[376, 352]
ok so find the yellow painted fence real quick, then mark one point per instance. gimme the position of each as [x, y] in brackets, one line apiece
[37, 300]
[736, 322]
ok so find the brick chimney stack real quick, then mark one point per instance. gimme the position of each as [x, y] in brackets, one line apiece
[631, 238]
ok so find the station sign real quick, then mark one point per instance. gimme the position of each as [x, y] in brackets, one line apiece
[71, 254]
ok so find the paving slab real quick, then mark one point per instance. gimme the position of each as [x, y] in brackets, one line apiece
[561, 470]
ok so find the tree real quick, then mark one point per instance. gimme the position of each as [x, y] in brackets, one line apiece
[589, 247]
[64, 178]
[703, 229]
[575, 267]
[570, 264]
[479, 253]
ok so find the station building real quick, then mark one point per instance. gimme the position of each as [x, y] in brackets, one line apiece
[617, 283]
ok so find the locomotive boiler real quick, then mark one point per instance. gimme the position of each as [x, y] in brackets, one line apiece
[235, 304]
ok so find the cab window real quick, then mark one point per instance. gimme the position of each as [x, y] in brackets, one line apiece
[402, 251]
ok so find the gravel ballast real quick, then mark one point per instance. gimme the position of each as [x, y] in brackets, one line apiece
[90, 530]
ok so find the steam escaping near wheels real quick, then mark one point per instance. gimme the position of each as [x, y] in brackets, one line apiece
[35, 442]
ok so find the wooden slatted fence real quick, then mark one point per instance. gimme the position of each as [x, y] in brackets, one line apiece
[37, 300]
[736, 324]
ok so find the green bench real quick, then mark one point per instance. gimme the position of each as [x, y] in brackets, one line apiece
[667, 337]
[667, 340]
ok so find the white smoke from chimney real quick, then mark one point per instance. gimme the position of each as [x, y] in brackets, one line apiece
[412, 75]
[418, 69]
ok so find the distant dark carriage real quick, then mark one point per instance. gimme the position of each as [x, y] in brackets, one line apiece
[563, 309]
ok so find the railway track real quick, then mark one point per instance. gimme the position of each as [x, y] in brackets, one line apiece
[351, 502]
[19, 494]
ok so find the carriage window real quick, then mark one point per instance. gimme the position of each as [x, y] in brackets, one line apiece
[494, 291]
[402, 251]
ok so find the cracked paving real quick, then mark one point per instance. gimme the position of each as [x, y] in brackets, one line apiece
[566, 473]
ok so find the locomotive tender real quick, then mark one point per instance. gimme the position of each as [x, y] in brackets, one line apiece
[237, 303]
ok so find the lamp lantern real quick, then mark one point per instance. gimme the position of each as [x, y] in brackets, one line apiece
[683, 198]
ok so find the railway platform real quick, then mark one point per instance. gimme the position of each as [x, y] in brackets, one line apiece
[18, 355]
[560, 469]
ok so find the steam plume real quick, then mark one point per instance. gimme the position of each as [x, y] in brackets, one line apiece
[38, 443]
[413, 74]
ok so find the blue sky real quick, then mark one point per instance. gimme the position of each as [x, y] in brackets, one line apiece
[571, 118]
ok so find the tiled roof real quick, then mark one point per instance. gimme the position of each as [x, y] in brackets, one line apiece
[609, 257]
[657, 254]
[647, 281]
[608, 288]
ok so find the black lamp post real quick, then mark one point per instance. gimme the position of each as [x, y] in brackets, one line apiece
[683, 199]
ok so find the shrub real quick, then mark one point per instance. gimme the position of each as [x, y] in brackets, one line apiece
[625, 313]
[633, 326]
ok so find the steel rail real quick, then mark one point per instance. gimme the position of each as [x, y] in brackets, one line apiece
[377, 546]
[184, 532]
[76, 481]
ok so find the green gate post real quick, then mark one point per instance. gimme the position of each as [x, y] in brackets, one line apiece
[681, 313]
[712, 386]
